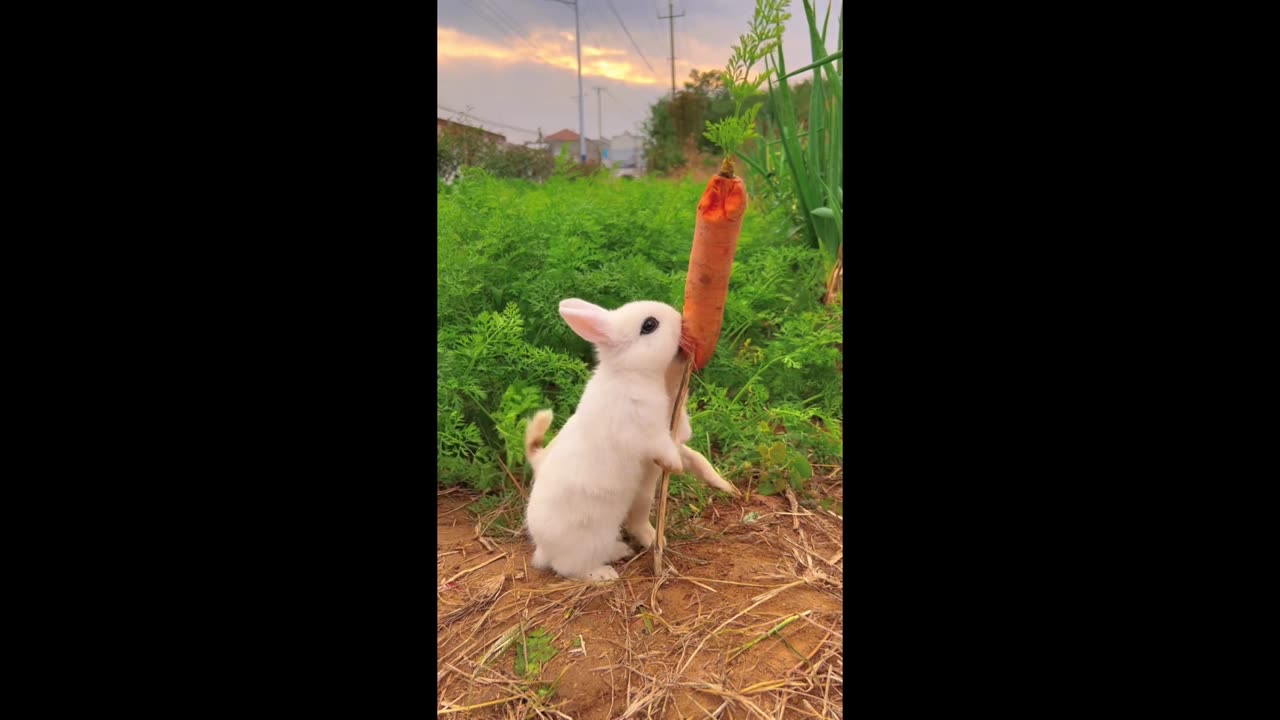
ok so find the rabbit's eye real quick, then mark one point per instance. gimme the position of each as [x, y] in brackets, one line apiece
[648, 326]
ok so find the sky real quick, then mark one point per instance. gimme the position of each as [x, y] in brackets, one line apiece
[510, 65]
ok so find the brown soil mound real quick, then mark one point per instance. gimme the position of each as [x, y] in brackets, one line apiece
[747, 623]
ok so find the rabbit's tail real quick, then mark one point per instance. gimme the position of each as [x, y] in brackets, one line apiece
[533, 435]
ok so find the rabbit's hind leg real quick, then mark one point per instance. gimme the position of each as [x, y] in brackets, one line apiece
[601, 574]
[620, 550]
[540, 561]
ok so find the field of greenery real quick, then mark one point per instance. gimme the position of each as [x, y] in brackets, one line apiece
[519, 233]
[766, 411]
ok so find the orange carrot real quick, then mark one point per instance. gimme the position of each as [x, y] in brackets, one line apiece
[715, 238]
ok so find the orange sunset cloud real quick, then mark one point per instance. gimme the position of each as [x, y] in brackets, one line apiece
[555, 50]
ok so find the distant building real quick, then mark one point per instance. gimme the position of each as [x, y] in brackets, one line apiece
[597, 150]
[626, 154]
[442, 125]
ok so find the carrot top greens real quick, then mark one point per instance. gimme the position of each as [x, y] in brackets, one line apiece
[765, 34]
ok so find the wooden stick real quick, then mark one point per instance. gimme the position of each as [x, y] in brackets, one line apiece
[660, 541]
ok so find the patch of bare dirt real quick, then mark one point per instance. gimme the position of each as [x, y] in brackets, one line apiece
[694, 644]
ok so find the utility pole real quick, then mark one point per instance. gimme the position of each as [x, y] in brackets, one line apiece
[599, 112]
[672, 23]
[582, 123]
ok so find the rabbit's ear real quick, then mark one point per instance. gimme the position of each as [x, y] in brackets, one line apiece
[590, 322]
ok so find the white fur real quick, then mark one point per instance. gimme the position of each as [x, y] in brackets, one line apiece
[533, 437]
[600, 472]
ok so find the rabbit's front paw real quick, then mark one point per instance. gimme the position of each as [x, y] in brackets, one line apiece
[669, 459]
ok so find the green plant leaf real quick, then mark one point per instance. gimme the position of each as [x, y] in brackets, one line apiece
[825, 212]
[766, 487]
[533, 654]
[800, 471]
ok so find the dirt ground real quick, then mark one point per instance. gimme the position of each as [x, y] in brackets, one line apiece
[698, 644]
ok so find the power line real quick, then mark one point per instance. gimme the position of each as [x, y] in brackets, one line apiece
[496, 19]
[603, 32]
[501, 26]
[628, 32]
[577, 36]
[643, 115]
[585, 28]
[609, 32]
[487, 18]
[625, 104]
[498, 10]
[488, 122]
[656, 11]
[512, 23]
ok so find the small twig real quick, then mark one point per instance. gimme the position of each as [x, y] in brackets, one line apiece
[653, 616]
[609, 713]
[728, 582]
[807, 660]
[707, 712]
[653, 593]
[473, 569]
[695, 582]
[793, 649]
[763, 597]
[633, 558]
[519, 487]
[460, 507]
[483, 704]
[765, 686]
[795, 509]
[776, 628]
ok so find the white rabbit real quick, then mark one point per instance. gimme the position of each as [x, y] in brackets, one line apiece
[600, 472]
